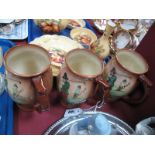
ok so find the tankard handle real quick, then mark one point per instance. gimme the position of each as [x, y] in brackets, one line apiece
[105, 85]
[101, 92]
[43, 101]
[145, 84]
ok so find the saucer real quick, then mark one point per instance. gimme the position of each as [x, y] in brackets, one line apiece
[130, 25]
[73, 23]
[121, 40]
[100, 24]
[57, 46]
[83, 35]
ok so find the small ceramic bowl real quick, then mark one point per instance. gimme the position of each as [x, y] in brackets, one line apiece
[121, 40]
[124, 40]
[147, 23]
[84, 36]
[8, 26]
[130, 25]
[74, 23]
[100, 24]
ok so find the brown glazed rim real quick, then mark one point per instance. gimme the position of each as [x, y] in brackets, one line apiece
[136, 53]
[89, 52]
[20, 46]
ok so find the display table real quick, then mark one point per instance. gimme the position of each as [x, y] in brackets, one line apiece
[34, 123]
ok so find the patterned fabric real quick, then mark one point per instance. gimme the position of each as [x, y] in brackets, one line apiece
[6, 104]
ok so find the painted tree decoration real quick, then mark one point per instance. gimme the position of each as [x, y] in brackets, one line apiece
[112, 77]
[65, 76]
[66, 84]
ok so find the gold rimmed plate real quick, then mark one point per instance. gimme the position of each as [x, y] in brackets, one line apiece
[57, 46]
[121, 40]
[84, 36]
[130, 25]
[100, 24]
[74, 23]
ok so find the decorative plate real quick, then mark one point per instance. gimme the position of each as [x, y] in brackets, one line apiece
[64, 125]
[84, 36]
[51, 25]
[100, 24]
[73, 23]
[57, 46]
[121, 40]
[130, 25]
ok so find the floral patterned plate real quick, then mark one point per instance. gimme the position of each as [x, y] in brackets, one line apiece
[130, 25]
[73, 23]
[84, 36]
[124, 40]
[57, 46]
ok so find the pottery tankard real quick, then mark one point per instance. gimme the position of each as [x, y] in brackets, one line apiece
[78, 76]
[123, 72]
[29, 77]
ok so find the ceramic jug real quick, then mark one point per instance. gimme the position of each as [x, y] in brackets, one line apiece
[78, 75]
[101, 47]
[123, 72]
[28, 76]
